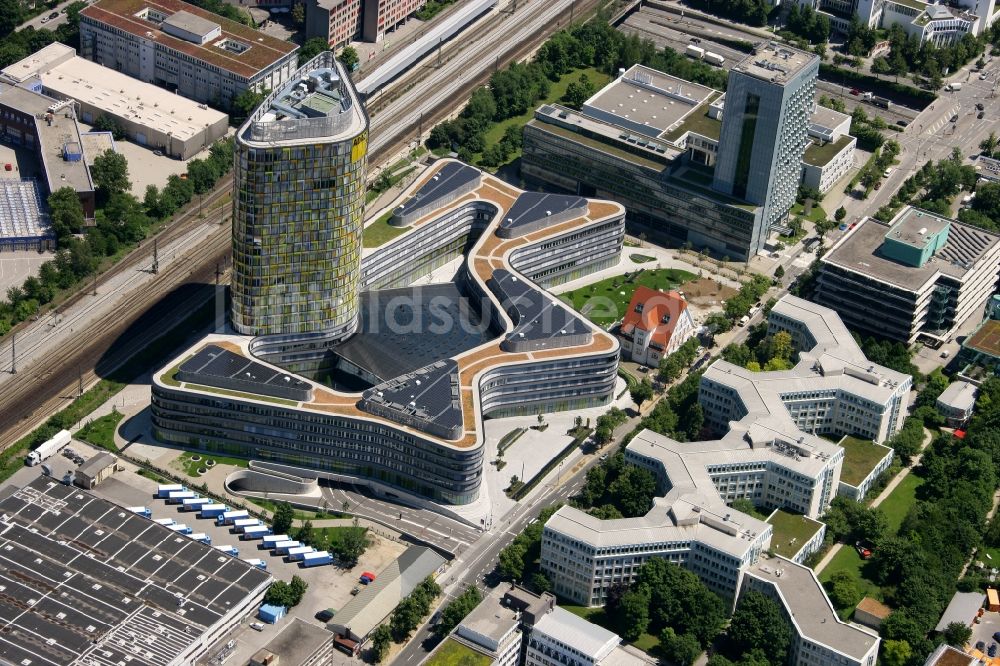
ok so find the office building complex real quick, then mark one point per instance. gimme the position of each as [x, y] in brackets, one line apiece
[929, 22]
[652, 141]
[297, 211]
[956, 403]
[921, 275]
[341, 21]
[491, 629]
[819, 637]
[184, 48]
[403, 398]
[770, 454]
[768, 100]
[655, 325]
[560, 637]
[150, 116]
[47, 127]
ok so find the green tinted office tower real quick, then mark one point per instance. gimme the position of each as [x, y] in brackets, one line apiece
[769, 97]
[298, 207]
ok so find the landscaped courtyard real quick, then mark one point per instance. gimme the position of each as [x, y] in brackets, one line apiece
[605, 302]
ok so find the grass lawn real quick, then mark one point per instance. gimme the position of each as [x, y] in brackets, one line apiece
[860, 458]
[453, 653]
[619, 291]
[816, 214]
[899, 502]
[101, 431]
[791, 531]
[556, 91]
[192, 466]
[847, 559]
[380, 232]
[646, 642]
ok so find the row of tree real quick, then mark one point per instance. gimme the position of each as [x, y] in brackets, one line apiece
[121, 221]
[455, 612]
[405, 618]
[518, 561]
[762, 351]
[751, 12]
[286, 594]
[808, 23]
[518, 88]
[738, 305]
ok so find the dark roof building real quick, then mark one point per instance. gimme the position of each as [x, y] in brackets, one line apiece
[88, 582]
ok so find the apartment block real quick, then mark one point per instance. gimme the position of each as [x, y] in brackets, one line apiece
[342, 21]
[919, 276]
[184, 49]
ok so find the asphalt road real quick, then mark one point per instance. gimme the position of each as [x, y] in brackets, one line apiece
[43, 20]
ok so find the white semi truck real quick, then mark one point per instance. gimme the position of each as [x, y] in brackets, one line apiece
[46, 449]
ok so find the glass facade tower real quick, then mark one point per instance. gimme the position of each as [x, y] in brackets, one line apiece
[769, 98]
[298, 207]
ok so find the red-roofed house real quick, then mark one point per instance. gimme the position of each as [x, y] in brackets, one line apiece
[655, 325]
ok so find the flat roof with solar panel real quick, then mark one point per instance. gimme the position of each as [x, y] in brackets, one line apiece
[86, 582]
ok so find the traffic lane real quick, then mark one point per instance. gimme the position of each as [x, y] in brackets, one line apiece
[418, 523]
[43, 20]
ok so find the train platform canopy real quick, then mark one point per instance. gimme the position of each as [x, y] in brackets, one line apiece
[88, 582]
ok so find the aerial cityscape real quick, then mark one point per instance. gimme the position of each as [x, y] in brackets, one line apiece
[499, 333]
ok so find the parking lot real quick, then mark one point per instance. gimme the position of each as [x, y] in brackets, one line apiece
[984, 630]
[329, 585]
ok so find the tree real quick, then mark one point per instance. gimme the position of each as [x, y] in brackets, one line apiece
[989, 144]
[642, 391]
[579, 92]
[281, 522]
[299, 13]
[10, 16]
[456, 611]
[758, 623]
[511, 561]
[310, 49]
[680, 649]
[110, 174]
[744, 505]
[779, 272]
[381, 642]
[844, 590]
[896, 653]
[840, 214]
[634, 614]
[957, 634]
[632, 492]
[105, 123]
[306, 534]
[353, 543]
[349, 58]
[66, 212]
[248, 100]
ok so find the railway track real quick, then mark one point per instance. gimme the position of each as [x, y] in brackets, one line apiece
[43, 387]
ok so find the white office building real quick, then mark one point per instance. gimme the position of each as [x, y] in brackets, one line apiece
[819, 637]
[560, 638]
[771, 454]
[493, 630]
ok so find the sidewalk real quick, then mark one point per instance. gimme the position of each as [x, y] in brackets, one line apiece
[881, 498]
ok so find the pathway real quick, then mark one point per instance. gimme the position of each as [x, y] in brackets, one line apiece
[891, 486]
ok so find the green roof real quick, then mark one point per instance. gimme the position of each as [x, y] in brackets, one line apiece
[860, 458]
[453, 653]
[912, 4]
[817, 155]
[698, 122]
[600, 145]
[791, 532]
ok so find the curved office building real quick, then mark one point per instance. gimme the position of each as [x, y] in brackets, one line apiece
[401, 400]
[298, 206]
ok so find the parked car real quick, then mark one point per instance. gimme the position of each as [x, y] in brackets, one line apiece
[981, 646]
[45, 19]
[355, 590]
[954, 118]
[325, 615]
[980, 106]
[855, 91]
[981, 115]
[992, 652]
[983, 76]
[257, 626]
[902, 123]
[53, 15]
[996, 636]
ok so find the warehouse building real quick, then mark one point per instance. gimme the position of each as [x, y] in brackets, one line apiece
[89, 582]
[44, 124]
[95, 470]
[184, 49]
[919, 276]
[298, 644]
[23, 224]
[355, 621]
[150, 116]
